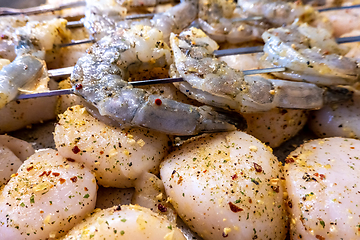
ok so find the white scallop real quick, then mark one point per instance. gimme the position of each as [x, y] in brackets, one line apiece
[322, 181]
[125, 222]
[226, 185]
[46, 197]
[337, 120]
[116, 156]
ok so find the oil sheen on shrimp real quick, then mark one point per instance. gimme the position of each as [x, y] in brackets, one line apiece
[100, 78]
[226, 185]
[46, 197]
[213, 82]
[310, 54]
[322, 179]
[219, 20]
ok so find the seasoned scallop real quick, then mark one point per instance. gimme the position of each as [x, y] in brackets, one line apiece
[125, 222]
[322, 179]
[227, 185]
[116, 156]
[46, 197]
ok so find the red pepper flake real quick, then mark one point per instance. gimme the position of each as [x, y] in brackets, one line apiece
[158, 101]
[62, 180]
[118, 208]
[44, 172]
[78, 86]
[86, 189]
[48, 173]
[74, 179]
[320, 237]
[235, 208]
[30, 168]
[162, 208]
[41, 211]
[180, 180]
[352, 147]
[316, 174]
[250, 200]
[55, 174]
[257, 167]
[101, 152]
[289, 160]
[70, 160]
[76, 149]
[233, 177]
[322, 176]
[204, 171]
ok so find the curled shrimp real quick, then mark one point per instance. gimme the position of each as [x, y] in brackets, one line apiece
[213, 82]
[104, 17]
[100, 77]
[218, 18]
[309, 54]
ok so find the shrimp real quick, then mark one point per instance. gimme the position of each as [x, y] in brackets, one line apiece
[322, 182]
[218, 19]
[44, 34]
[213, 82]
[46, 197]
[233, 182]
[125, 222]
[26, 72]
[279, 13]
[99, 75]
[109, 16]
[310, 54]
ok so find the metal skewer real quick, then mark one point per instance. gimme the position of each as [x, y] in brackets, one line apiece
[140, 83]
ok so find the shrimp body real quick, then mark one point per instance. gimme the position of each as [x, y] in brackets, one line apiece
[310, 54]
[218, 19]
[102, 73]
[23, 71]
[46, 197]
[104, 17]
[213, 82]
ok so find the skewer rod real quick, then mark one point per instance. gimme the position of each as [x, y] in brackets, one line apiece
[141, 83]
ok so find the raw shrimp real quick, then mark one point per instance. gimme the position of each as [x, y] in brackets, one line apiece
[26, 72]
[227, 185]
[322, 179]
[107, 17]
[279, 13]
[310, 54]
[213, 82]
[99, 78]
[117, 157]
[218, 19]
[46, 197]
[125, 222]
[46, 35]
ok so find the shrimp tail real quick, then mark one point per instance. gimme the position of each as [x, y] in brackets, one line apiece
[335, 94]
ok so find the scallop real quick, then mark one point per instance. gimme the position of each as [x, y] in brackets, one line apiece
[125, 222]
[117, 157]
[227, 185]
[322, 179]
[46, 197]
